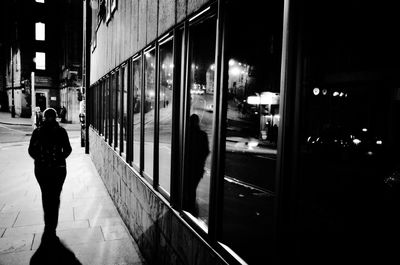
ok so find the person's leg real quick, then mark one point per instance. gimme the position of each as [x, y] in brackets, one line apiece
[51, 182]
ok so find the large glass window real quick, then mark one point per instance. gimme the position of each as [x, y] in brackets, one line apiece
[200, 119]
[112, 108]
[348, 180]
[165, 116]
[106, 108]
[118, 113]
[136, 107]
[124, 108]
[253, 59]
[149, 110]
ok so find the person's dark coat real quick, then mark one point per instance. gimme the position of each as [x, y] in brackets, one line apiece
[49, 145]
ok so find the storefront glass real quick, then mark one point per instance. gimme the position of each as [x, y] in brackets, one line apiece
[200, 119]
[136, 107]
[149, 110]
[348, 183]
[253, 59]
[165, 112]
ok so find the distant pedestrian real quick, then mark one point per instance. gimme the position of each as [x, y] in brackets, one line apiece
[197, 155]
[49, 147]
[63, 114]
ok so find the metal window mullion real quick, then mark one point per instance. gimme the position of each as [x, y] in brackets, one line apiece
[217, 165]
[184, 110]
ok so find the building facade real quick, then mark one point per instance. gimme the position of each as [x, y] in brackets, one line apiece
[237, 132]
[38, 41]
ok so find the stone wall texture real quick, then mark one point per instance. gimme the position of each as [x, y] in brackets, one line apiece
[162, 235]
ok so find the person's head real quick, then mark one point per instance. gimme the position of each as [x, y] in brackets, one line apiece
[194, 121]
[50, 115]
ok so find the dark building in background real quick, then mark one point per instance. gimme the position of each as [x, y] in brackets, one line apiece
[38, 40]
[71, 57]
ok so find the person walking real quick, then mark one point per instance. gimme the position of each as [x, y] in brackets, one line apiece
[49, 147]
[198, 151]
[63, 113]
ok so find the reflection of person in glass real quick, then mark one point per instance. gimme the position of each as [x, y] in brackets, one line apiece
[197, 154]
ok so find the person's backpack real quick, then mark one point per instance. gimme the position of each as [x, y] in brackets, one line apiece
[49, 151]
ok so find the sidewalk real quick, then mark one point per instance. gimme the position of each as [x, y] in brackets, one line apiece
[89, 223]
[5, 118]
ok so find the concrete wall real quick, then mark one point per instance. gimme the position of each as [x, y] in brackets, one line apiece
[134, 25]
[163, 237]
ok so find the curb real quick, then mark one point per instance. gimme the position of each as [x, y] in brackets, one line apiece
[19, 124]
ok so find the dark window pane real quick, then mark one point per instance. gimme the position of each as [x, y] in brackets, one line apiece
[349, 132]
[124, 108]
[137, 81]
[253, 58]
[119, 110]
[106, 109]
[201, 119]
[165, 118]
[112, 109]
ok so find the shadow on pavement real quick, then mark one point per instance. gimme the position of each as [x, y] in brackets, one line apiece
[53, 251]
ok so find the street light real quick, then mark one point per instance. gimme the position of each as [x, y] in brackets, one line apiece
[12, 84]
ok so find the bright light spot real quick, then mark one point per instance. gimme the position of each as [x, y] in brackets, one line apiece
[39, 31]
[379, 142]
[356, 141]
[364, 129]
[370, 153]
[212, 67]
[324, 92]
[252, 144]
[163, 66]
[40, 60]
[171, 65]
[231, 62]
[341, 94]
[235, 71]
[151, 93]
[253, 100]
[316, 91]
[39, 1]
[335, 94]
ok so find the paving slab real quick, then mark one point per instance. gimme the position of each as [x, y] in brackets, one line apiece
[108, 252]
[37, 229]
[105, 221]
[15, 244]
[26, 218]
[76, 236]
[16, 258]
[8, 219]
[93, 212]
[114, 232]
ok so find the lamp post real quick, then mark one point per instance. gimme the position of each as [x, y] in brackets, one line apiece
[12, 83]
